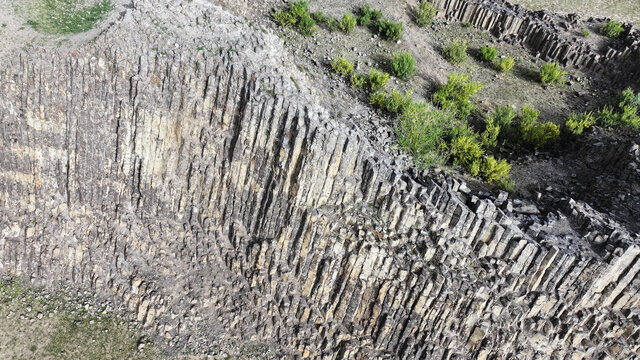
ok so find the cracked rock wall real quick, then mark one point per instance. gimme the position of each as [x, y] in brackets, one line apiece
[216, 201]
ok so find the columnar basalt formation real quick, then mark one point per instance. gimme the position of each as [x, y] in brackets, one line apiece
[217, 202]
[547, 34]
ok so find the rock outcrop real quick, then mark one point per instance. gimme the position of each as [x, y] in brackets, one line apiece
[550, 36]
[217, 201]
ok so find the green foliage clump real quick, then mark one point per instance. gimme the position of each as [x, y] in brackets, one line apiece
[467, 152]
[342, 66]
[390, 30]
[551, 73]
[297, 15]
[395, 103]
[426, 13]
[456, 93]
[456, 52]
[333, 25]
[504, 116]
[494, 171]
[506, 64]
[585, 32]
[348, 23]
[487, 53]
[611, 29]
[377, 79]
[368, 16]
[489, 136]
[629, 117]
[607, 117]
[358, 81]
[403, 65]
[628, 98]
[319, 17]
[534, 133]
[421, 129]
[576, 124]
[67, 17]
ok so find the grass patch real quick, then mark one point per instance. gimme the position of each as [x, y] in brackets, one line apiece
[67, 17]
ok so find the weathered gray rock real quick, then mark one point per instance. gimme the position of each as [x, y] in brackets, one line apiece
[207, 194]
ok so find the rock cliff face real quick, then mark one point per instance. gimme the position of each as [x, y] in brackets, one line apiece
[216, 201]
[551, 36]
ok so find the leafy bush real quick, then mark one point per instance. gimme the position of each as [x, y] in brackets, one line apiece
[378, 100]
[487, 53]
[456, 53]
[368, 16]
[585, 32]
[358, 81]
[551, 73]
[467, 152]
[489, 136]
[395, 103]
[319, 17]
[611, 29]
[403, 65]
[420, 130]
[342, 66]
[377, 79]
[390, 30]
[426, 13]
[348, 23]
[629, 117]
[503, 117]
[297, 15]
[493, 171]
[333, 24]
[576, 124]
[628, 98]
[505, 64]
[535, 134]
[456, 93]
[607, 117]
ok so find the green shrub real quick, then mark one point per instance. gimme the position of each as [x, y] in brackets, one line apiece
[284, 18]
[378, 100]
[607, 117]
[629, 117]
[333, 25]
[456, 93]
[319, 17]
[551, 73]
[377, 79]
[420, 130]
[358, 81]
[390, 30]
[426, 13]
[306, 24]
[535, 134]
[489, 136]
[576, 124]
[506, 64]
[348, 23]
[342, 66]
[494, 171]
[395, 103]
[467, 152]
[456, 53]
[585, 32]
[462, 129]
[403, 65]
[368, 16]
[628, 98]
[503, 117]
[487, 53]
[611, 29]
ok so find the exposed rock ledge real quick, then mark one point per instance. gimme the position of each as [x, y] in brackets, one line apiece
[214, 200]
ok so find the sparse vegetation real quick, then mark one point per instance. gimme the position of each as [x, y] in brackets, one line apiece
[393, 104]
[368, 16]
[551, 73]
[348, 23]
[611, 29]
[627, 114]
[426, 13]
[487, 53]
[403, 65]
[390, 30]
[358, 81]
[319, 17]
[534, 133]
[585, 32]
[67, 16]
[467, 152]
[297, 15]
[456, 93]
[342, 66]
[496, 171]
[378, 79]
[506, 64]
[456, 52]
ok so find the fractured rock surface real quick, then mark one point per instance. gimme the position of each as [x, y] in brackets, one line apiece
[211, 197]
